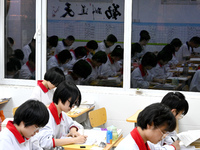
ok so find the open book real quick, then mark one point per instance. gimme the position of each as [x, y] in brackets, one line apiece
[189, 136]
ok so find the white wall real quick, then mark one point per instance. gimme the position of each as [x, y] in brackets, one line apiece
[119, 104]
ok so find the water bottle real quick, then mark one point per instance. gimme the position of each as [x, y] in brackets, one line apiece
[109, 137]
[114, 134]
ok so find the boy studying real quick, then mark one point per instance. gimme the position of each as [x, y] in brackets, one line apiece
[28, 119]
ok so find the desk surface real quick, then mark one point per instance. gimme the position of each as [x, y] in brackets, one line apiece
[5, 101]
[88, 147]
[133, 118]
[79, 111]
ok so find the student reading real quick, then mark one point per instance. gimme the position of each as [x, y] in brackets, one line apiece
[19, 134]
[60, 126]
[154, 122]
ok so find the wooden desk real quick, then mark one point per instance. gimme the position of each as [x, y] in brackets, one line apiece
[88, 147]
[5, 101]
[79, 111]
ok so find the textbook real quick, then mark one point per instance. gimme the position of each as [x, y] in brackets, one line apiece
[189, 137]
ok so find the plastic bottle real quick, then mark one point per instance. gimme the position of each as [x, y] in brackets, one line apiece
[114, 134]
[109, 137]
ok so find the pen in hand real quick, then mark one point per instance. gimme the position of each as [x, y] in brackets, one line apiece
[172, 139]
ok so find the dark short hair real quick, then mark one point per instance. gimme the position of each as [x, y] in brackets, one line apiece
[164, 55]
[66, 90]
[11, 41]
[176, 42]
[169, 48]
[92, 44]
[195, 40]
[18, 53]
[158, 114]
[149, 59]
[111, 38]
[31, 57]
[144, 35]
[118, 52]
[82, 68]
[70, 38]
[54, 75]
[64, 55]
[53, 40]
[100, 57]
[80, 51]
[135, 48]
[32, 112]
[176, 100]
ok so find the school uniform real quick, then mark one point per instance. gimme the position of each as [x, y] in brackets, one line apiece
[184, 51]
[94, 74]
[56, 128]
[26, 50]
[69, 78]
[166, 143]
[140, 78]
[11, 139]
[195, 83]
[61, 46]
[110, 68]
[53, 62]
[41, 93]
[102, 47]
[160, 72]
[173, 61]
[26, 72]
[134, 141]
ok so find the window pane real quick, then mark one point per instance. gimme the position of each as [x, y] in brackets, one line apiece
[163, 43]
[89, 31]
[20, 45]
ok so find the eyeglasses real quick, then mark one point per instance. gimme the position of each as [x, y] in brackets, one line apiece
[73, 105]
[37, 128]
[163, 134]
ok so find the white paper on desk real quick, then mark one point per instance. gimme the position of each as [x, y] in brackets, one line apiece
[94, 136]
[179, 78]
[189, 136]
[187, 148]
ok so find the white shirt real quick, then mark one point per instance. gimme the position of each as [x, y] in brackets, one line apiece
[53, 62]
[195, 83]
[173, 61]
[110, 68]
[26, 73]
[183, 52]
[61, 47]
[160, 72]
[9, 141]
[41, 93]
[52, 130]
[139, 79]
[102, 47]
[26, 50]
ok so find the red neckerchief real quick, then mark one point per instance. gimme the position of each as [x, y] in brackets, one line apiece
[12, 128]
[70, 73]
[29, 67]
[160, 64]
[56, 57]
[111, 60]
[44, 89]
[71, 50]
[142, 70]
[138, 140]
[54, 112]
[87, 50]
[90, 61]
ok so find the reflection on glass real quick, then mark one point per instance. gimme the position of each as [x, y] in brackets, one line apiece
[20, 45]
[92, 33]
[163, 42]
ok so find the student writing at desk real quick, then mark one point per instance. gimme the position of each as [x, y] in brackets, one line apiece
[60, 126]
[179, 107]
[154, 122]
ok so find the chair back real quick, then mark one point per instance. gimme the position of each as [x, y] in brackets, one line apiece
[97, 117]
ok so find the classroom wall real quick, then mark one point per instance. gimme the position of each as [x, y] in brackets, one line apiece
[119, 104]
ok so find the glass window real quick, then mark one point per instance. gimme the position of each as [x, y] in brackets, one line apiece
[19, 42]
[164, 39]
[85, 40]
